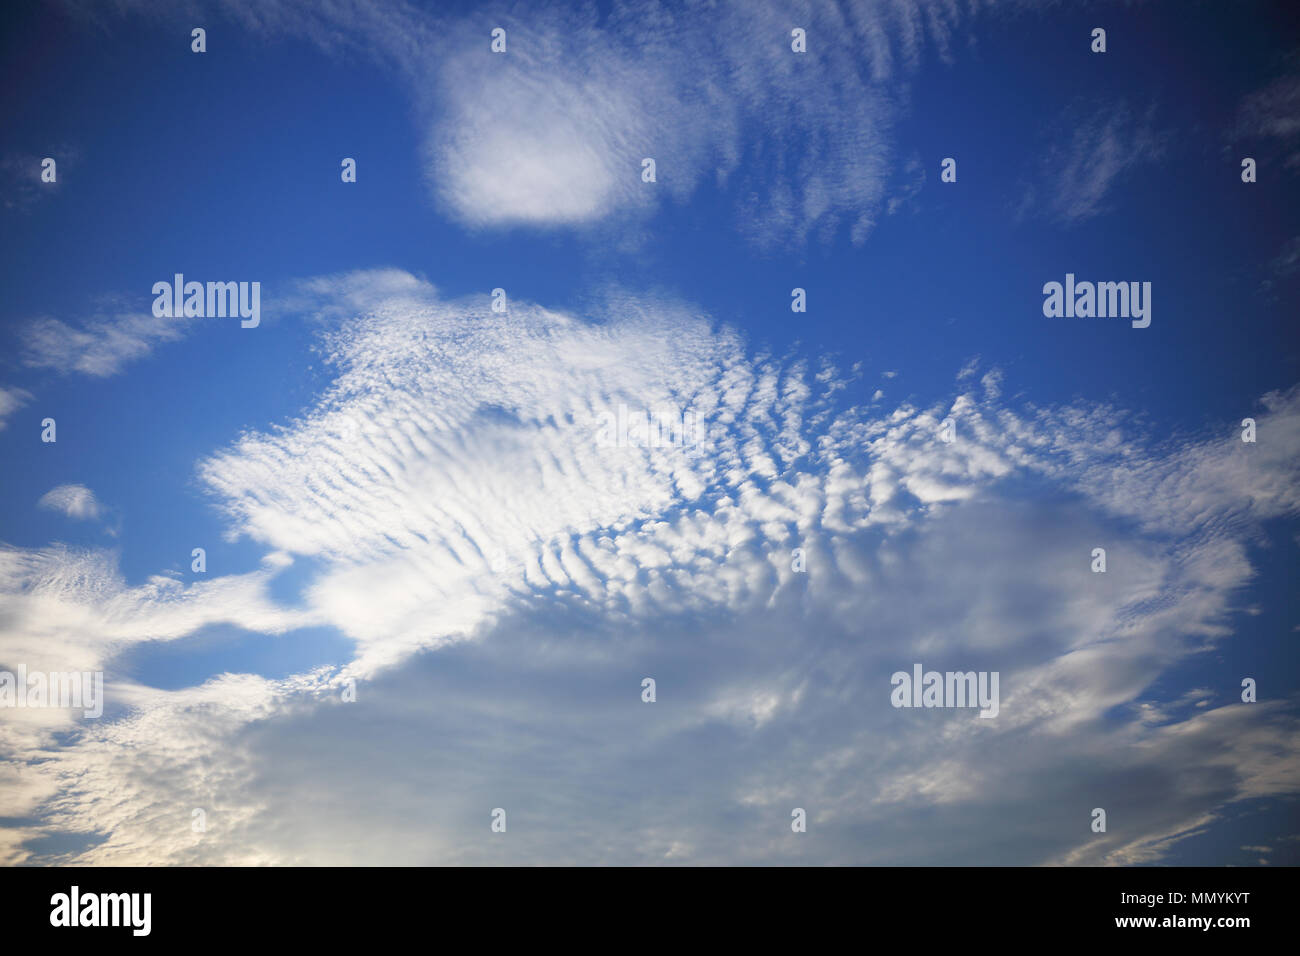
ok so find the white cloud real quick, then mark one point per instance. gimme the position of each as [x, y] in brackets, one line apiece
[70, 609]
[100, 346]
[552, 132]
[75, 501]
[542, 141]
[449, 485]
[11, 399]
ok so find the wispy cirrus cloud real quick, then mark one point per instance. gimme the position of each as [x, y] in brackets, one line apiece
[555, 132]
[1095, 149]
[100, 346]
[552, 133]
[1272, 114]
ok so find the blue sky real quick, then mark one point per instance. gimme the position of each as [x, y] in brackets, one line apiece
[398, 487]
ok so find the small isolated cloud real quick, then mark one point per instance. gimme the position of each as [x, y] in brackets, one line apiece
[1273, 113]
[99, 346]
[1287, 262]
[20, 176]
[913, 177]
[75, 501]
[1095, 148]
[11, 399]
